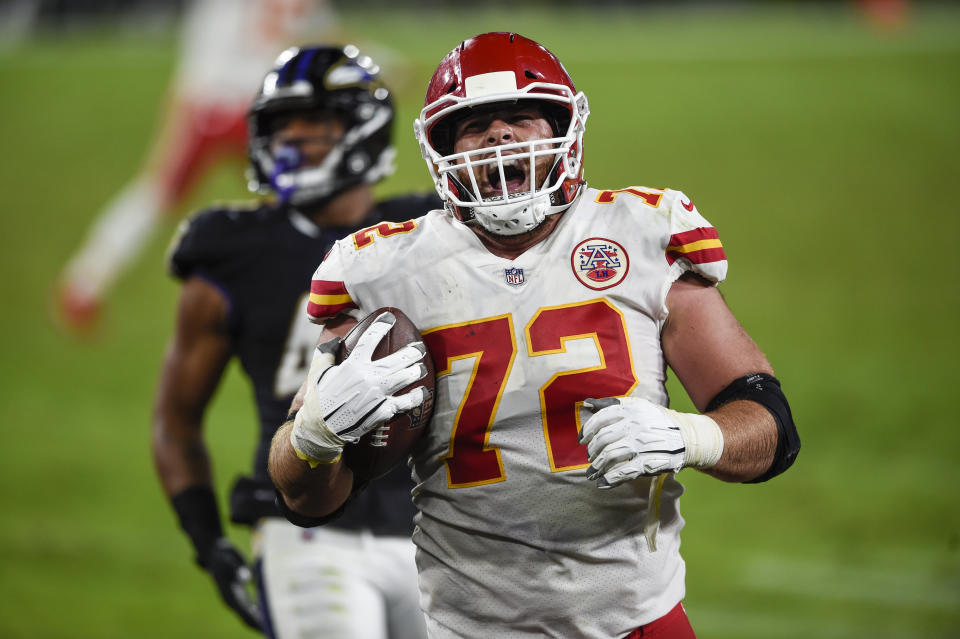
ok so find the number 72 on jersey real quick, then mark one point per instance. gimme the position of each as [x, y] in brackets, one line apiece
[492, 345]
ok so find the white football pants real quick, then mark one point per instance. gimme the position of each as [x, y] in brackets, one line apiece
[323, 582]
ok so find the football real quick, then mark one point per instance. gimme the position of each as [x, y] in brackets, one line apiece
[380, 450]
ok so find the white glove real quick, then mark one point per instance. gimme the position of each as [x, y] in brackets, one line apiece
[631, 437]
[342, 403]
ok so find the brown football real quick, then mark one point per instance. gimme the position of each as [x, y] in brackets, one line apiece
[380, 450]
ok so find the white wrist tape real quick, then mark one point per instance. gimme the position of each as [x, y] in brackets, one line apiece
[311, 438]
[313, 441]
[702, 438]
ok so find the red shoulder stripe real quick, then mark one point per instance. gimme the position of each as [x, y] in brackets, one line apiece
[327, 299]
[699, 245]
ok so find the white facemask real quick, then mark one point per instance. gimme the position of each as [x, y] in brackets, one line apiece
[521, 211]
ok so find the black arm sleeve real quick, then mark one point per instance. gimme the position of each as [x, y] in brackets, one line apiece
[765, 390]
[199, 516]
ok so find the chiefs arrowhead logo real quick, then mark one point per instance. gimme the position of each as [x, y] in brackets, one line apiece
[687, 205]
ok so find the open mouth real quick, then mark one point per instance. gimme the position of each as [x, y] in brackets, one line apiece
[514, 174]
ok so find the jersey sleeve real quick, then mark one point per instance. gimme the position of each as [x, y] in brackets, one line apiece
[328, 290]
[694, 244]
[354, 270]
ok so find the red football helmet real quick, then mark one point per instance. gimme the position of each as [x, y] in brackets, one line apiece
[493, 68]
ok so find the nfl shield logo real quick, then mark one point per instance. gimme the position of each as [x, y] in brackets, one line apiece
[514, 276]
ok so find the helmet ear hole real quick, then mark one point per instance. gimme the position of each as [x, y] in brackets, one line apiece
[358, 162]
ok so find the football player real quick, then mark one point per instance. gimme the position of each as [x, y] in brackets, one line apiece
[547, 490]
[226, 48]
[319, 138]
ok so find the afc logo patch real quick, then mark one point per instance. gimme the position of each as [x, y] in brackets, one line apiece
[514, 276]
[599, 263]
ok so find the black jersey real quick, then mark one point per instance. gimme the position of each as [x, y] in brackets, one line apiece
[262, 260]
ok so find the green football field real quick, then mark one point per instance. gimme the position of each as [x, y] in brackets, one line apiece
[826, 152]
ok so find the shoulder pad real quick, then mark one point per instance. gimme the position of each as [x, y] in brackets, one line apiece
[210, 236]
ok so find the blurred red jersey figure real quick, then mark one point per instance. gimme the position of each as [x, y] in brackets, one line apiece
[885, 15]
[226, 48]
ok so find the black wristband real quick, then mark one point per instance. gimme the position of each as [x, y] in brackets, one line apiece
[306, 521]
[196, 507]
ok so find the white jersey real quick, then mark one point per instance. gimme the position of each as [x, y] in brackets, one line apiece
[513, 540]
[229, 45]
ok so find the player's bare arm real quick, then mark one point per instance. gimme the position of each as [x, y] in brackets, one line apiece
[341, 402]
[707, 348]
[192, 369]
[310, 491]
[744, 433]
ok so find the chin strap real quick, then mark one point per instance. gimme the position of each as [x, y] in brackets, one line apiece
[512, 218]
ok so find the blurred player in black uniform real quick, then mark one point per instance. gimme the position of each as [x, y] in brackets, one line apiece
[319, 138]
